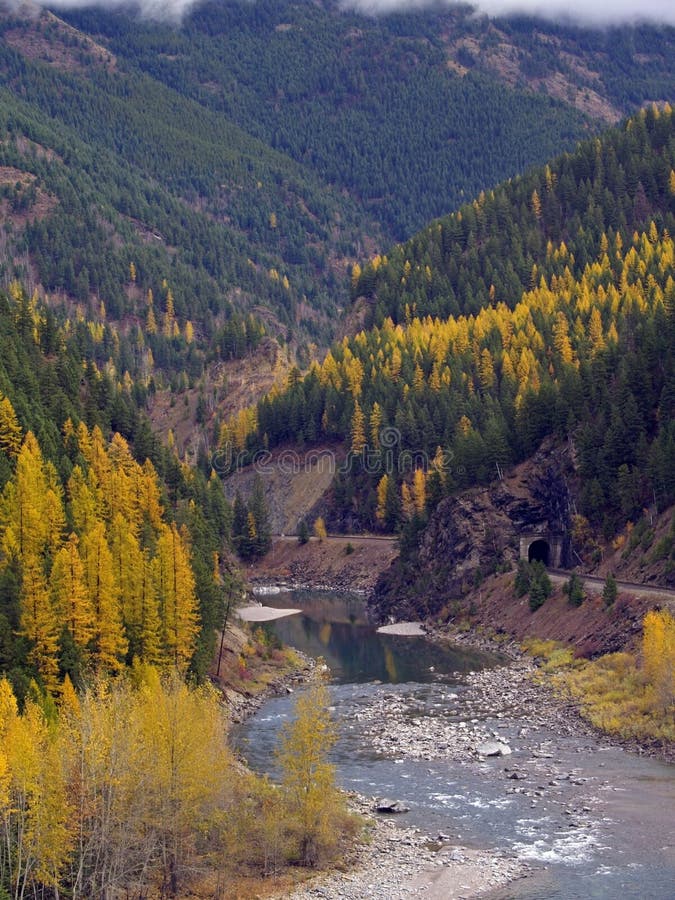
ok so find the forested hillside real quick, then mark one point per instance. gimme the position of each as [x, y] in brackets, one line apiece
[241, 161]
[409, 113]
[110, 546]
[574, 337]
[368, 105]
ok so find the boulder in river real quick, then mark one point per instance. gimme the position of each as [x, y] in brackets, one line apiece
[493, 748]
[391, 806]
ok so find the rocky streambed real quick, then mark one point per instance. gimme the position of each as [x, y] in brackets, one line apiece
[403, 862]
[578, 816]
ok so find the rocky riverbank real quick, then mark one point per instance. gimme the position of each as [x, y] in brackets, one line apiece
[400, 862]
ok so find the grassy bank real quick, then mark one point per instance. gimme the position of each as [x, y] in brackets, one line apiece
[629, 695]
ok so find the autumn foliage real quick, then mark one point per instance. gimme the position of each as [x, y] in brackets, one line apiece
[129, 787]
[103, 577]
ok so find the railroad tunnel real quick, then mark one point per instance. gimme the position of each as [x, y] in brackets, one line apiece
[540, 551]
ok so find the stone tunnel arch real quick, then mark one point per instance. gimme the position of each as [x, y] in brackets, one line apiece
[539, 551]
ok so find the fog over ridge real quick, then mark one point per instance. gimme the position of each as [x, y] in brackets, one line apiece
[600, 13]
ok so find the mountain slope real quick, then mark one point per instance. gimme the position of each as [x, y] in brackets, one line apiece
[432, 404]
[368, 105]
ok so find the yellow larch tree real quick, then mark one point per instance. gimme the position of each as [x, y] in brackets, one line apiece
[420, 490]
[176, 596]
[38, 621]
[31, 508]
[109, 643]
[69, 595]
[375, 425]
[358, 432]
[382, 491]
[10, 430]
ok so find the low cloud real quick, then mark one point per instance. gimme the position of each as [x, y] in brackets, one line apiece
[599, 13]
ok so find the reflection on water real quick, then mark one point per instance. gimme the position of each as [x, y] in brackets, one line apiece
[334, 626]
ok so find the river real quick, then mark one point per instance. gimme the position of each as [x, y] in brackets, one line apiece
[592, 819]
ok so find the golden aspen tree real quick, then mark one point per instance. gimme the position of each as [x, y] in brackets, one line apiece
[180, 746]
[37, 818]
[69, 594]
[176, 596]
[658, 654]
[109, 642]
[308, 779]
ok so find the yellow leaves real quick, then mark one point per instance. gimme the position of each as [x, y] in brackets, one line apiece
[175, 584]
[358, 433]
[536, 205]
[486, 370]
[658, 653]
[37, 812]
[464, 426]
[320, 532]
[595, 331]
[419, 490]
[10, 430]
[308, 779]
[382, 491]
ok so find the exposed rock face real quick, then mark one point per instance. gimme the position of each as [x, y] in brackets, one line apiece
[477, 532]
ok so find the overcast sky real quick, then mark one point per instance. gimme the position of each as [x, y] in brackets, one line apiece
[592, 12]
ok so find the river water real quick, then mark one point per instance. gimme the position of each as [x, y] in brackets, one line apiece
[594, 821]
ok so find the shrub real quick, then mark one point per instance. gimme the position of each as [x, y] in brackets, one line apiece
[610, 590]
[574, 589]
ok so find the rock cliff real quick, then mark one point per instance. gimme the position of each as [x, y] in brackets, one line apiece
[479, 532]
